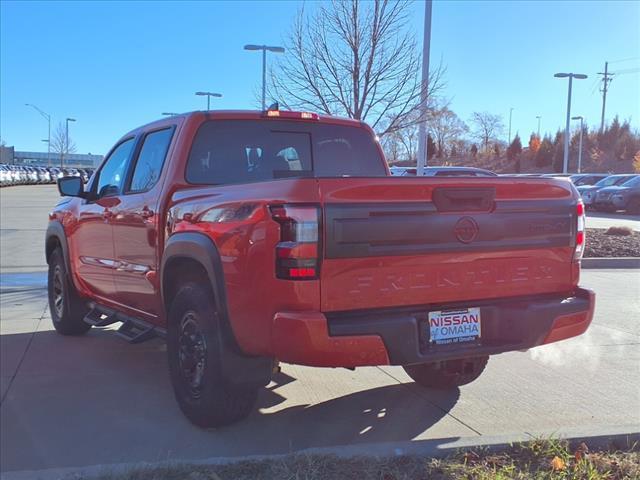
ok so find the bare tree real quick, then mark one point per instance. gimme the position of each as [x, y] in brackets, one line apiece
[59, 144]
[487, 127]
[446, 127]
[355, 59]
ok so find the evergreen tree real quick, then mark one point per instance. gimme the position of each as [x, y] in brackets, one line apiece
[431, 147]
[557, 158]
[513, 152]
[544, 155]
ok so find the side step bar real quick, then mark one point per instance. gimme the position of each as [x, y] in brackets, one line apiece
[136, 333]
[133, 330]
[97, 318]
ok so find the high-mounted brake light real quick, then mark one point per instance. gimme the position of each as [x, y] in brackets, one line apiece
[292, 115]
[580, 231]
[297, 252]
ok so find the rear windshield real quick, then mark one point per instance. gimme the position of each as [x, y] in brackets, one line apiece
[240, 151]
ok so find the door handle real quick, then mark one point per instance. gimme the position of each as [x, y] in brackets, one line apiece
[146, 213]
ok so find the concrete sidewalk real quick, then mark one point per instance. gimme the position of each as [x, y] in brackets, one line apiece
[70, 402]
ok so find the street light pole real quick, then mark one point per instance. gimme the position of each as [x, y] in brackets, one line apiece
[580, 143]
[66, 142]
[510, 114]
[538, 117]
[48, 117]
[423, 154]
[264, 49]
[571, 76]
[208, 95]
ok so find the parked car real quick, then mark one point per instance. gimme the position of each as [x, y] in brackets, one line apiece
[55, 173]
[44, 176]
[581, 179]
[443, 172]
[588, 192]
[6, 178]
[84, 174]
[243, 252]
[399, 171]
[625, 196]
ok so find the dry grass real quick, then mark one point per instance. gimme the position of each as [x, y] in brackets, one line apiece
[619, 231]
[539, 460]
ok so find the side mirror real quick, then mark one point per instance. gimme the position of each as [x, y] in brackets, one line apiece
[71, 187]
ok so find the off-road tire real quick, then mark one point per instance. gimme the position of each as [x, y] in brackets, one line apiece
[66, 307]
[194, 340]
[447, 374]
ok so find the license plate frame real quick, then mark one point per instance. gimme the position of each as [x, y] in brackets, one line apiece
[454, 326]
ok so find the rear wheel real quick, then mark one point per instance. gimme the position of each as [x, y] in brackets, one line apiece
[447, 374]
[194, 348]
[66, 307]
[633, 207]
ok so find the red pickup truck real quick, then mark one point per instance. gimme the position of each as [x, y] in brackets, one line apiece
[249, 238]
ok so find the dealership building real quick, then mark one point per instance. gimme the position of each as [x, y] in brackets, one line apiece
[43, 159]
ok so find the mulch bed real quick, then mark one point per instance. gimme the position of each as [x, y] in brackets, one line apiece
[600, 244]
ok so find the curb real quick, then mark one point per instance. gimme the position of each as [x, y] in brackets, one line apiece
[618, 437]
[611, 262]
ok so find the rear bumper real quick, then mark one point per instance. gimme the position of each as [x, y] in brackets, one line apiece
[400, 336]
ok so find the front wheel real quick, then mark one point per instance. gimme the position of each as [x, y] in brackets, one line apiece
[447, 374]
[194, 349]
[67, 309]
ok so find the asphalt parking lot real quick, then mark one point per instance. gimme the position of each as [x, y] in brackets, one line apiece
[98, 400]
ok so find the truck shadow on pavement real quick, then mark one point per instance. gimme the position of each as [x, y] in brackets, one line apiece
[68, 394]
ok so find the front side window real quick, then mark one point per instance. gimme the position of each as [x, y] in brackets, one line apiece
[634, 182]
[150, 160]
[608, 181]
[111, 177]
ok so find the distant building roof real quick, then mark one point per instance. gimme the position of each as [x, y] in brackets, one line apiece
[70, 159]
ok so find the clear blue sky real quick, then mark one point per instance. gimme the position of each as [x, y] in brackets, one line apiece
[115, 66]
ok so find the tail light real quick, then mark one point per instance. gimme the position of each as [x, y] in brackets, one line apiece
[580, 232]
[298, 251]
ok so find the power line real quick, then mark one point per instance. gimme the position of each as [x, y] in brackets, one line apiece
[625, 60]
[628, 70]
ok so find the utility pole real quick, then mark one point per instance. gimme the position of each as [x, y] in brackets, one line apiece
[423, 154]
[605, 84]
[538, 117]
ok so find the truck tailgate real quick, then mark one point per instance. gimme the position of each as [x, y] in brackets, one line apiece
[392, 242]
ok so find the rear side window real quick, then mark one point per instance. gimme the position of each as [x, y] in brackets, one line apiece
[240, 151]
[150, 160]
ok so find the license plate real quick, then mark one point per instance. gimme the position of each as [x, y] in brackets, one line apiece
[454, 326]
